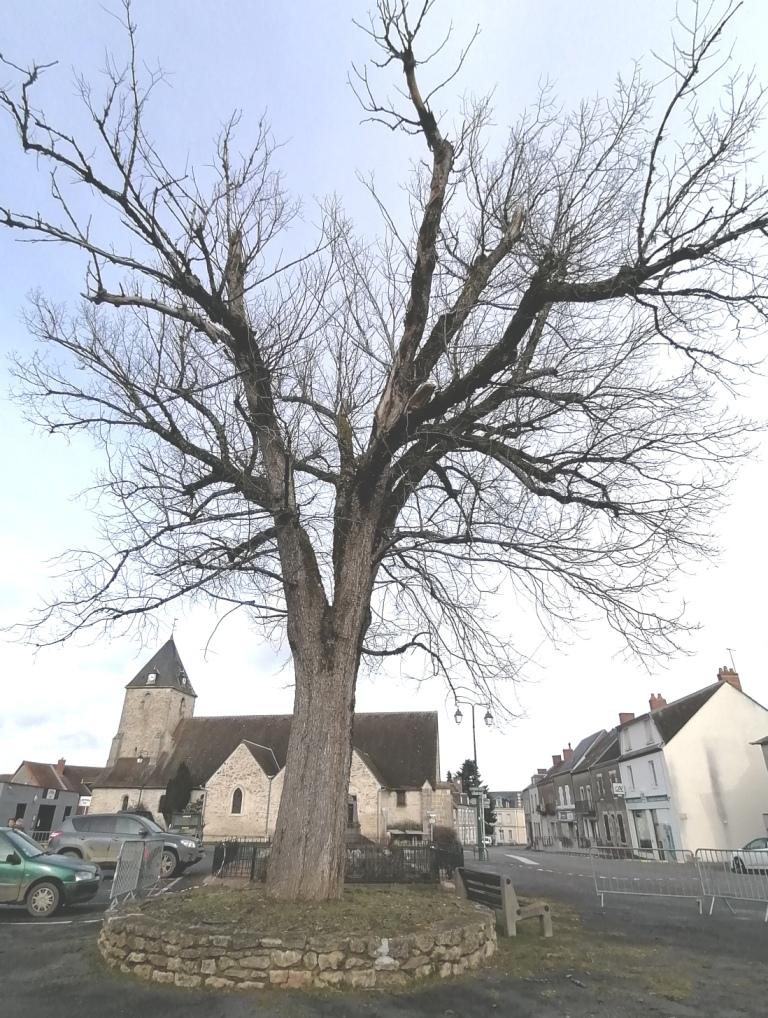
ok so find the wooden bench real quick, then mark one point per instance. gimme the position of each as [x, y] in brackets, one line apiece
[497, 892]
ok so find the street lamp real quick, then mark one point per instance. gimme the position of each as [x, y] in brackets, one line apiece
[142, 757]
[459, 696]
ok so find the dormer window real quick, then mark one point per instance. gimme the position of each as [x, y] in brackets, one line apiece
[152, 678]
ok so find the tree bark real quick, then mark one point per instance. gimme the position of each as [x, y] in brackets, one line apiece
[308, 852]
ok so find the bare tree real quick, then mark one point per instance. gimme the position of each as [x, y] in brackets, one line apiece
[521, 388]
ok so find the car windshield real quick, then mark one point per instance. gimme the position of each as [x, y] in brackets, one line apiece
[155, 828]
[24, 844]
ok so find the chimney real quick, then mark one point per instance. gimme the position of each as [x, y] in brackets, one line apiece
[59, 768]
[556, 761]
[625, 718]
[656, 701]
[730, 676]
[568, 754]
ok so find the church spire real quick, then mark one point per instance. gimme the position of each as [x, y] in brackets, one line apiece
[164, 671]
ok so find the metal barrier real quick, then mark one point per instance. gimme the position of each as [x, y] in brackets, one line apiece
[733, 875]
[138, 869]
[364, 864]
[652, 872]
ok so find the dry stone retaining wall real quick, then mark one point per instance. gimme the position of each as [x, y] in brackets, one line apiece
[241, 960]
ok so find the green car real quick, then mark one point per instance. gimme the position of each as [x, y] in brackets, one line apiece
[42, 882]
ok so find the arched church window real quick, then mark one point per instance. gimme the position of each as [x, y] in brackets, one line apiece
[125, 802]
[237, 800]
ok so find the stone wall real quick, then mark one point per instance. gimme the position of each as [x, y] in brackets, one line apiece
[148, 720]
[110, 800]
[240, 960]
[240, 770]
[366, 788]
[260, 803]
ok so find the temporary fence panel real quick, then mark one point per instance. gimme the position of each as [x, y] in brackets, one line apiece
[138, 869]
[128, 870]
[734, 875]
[668, 873]
[149, 876]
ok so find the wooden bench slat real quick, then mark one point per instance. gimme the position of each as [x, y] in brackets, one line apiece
[498, 893]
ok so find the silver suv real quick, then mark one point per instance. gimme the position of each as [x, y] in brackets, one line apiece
[98, 837]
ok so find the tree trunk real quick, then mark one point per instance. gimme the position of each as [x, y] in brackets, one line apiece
[308, 853]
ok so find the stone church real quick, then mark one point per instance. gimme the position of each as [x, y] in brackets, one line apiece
[237, 763]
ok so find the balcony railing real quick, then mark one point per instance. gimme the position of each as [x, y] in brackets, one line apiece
[584, 808]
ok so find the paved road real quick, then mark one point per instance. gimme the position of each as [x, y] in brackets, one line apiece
[54, 971]
[737, 929]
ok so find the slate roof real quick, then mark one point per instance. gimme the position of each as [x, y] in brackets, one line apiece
[670, 719]
[610, 751]
[170, 671]
[264, 757]
[597, 751]
[81, 779]
[400, 748]
[567, 766]
[72, 779]
[505, 796]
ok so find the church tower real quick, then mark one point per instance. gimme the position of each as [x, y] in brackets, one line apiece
[155, 701]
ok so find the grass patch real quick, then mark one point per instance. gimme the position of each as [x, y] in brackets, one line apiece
[579, 953]
[384, 911]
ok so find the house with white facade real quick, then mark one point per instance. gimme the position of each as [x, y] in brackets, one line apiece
[692, 776]
[510, 818]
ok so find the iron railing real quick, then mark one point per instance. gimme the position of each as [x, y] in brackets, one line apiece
[584, 808]
[365, 864]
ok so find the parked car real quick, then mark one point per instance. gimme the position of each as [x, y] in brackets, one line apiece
[753, 858]
[138, 812]
[42, 882]
[98, 837]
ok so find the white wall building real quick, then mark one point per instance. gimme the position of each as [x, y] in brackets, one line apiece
[692, 776]
[510, 818]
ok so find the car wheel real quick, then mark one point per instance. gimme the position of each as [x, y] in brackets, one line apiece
[42, 899]
[169, 864]
[71, 853]
[738, 866]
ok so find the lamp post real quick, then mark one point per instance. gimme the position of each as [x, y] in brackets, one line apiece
[471, 702]
[142, 757]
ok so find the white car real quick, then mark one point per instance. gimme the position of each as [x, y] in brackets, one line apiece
[753, 858]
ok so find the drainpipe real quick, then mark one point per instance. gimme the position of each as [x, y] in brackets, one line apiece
[269, 799]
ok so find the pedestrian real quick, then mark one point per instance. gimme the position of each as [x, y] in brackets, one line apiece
[12, 822]
[19, 825]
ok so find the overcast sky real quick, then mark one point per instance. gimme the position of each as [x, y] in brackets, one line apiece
[292, 60]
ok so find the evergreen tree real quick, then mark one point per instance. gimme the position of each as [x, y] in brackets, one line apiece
[470, 778]
[177, 793]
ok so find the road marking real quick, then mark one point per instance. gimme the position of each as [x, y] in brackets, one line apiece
[520, 858]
